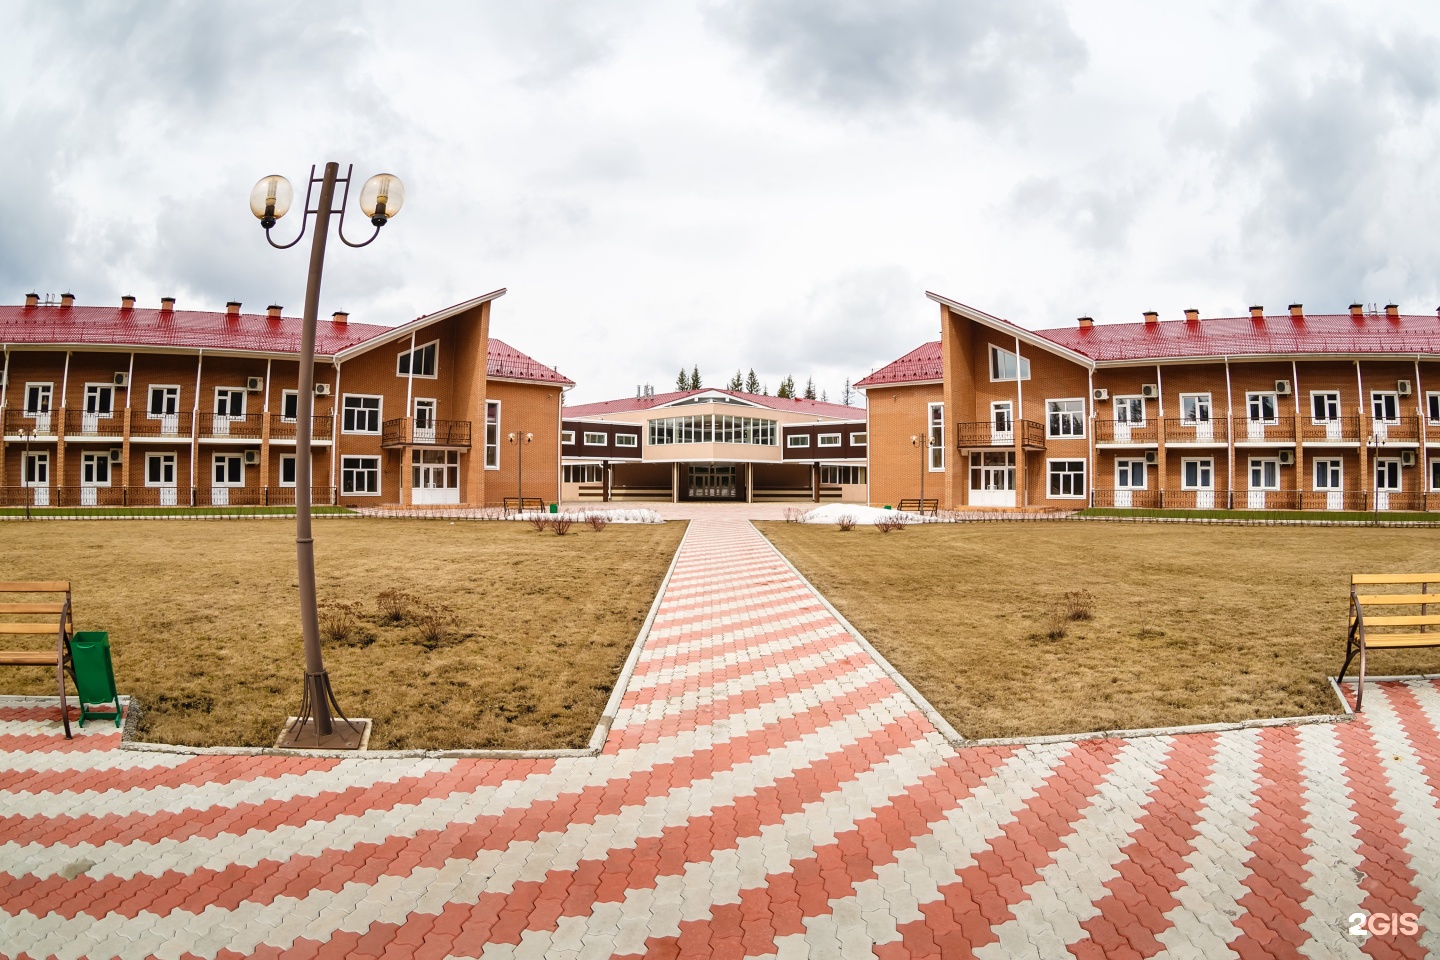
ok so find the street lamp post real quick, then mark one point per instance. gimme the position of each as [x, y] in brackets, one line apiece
[924, 442]
[380, 199]
[520, 440]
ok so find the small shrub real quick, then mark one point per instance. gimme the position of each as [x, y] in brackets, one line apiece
[540, 521]
[794, 514]
[887, 524]
[1079, 605]
[340, 624]
[396, 606]
[597, 521]
[1057, 621]
[846, 521]
[436, 623]
[560, 523]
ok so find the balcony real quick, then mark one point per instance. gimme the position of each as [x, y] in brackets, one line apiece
[39, 425]
[121, 497]
[220, 426]
[1127, 434]
[1199, 433]
[1401, 430]
[82, 425]
[986, 434]
[1341, 430]
[404, 432]
[1275, 431]
[282, 429]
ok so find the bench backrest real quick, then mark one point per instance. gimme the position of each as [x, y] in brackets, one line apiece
[44, 616]
[1390, 600]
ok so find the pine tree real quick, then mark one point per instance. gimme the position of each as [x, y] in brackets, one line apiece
[847, 394]
[695, 377]
[810, 389]
[765, 390]
[683, 381]
[787, 388]
[752, 382]
[737, 382]
[824, 397]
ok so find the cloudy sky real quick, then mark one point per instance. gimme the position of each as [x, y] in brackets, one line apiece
[734, 183]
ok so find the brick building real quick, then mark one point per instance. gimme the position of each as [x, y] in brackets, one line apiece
[713, 445]
[1295, 411]
[158, 407]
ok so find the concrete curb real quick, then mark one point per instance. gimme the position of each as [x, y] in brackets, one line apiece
[596, 743]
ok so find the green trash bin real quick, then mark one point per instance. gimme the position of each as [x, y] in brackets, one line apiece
[554, 508]
[94, 674]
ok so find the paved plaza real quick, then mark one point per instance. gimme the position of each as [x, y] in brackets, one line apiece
[766, 790]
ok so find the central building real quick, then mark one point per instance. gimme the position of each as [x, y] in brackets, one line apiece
[713, 445]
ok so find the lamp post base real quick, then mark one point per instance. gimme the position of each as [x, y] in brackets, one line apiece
[316, 727]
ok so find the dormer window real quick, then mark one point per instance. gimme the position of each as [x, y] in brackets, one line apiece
[1003, 365]
[419, 362]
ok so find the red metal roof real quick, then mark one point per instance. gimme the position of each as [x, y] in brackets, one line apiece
[208, 330]
[920, 364]
[631, 404]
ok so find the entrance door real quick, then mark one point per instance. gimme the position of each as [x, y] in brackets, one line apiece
[1387, 481]
[1329, 480]
[37, 405]
[1129, 477]
[1129, 412]
[35, 476]
[99, 404]
[160, 474]
[1264, 476]
[94, 473]
[992, 479]
[229, 406]
[1199, 476]
[715, 481]
[424, 420]
[1002, 422]
[434, 474]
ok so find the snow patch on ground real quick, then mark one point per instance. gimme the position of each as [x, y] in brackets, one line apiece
[621, 515]
[833, 512]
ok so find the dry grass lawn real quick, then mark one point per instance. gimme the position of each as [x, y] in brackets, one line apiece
[205, 634]
[1190, 624]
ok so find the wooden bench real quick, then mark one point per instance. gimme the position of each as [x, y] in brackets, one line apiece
[1404, 624]
[521, 504]
[922, 507]
[61, 627]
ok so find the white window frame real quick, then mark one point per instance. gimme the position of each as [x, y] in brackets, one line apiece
[1259, 396]
[231, 391]
[379, 476]
[1078, 416]
[1127, 403]
[828, 440]
[839, 471]
[935, 418]
[627, 440]
[165, 391]
[46, 390]
[1132, 462]
[285, 396]
[98, 388]
[294, 466]
[1432, 407]
[379, 411]
[1339, 474]
[797, 441]
[228, 458]
[1022, 367]
[93, 458]
[588, 473]
[1331, 398]
[420, 348]
[596, 439]
[1199, 400]
[162, 459]
[1262, 463]
[1051, 474]
[860, 439]
[567, 436]
[492, 442]
[1206, 463]
[36, 457]
[1399, 474]
[1435, 474]
[1379, 396]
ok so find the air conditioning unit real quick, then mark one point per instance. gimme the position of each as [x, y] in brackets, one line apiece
[1282, 387]
[1152, 457]
[116, 453]
[252, 458]
[1403, 388]
[254, 384]
[1407, 458]
[322, 389]
[122, 379]
[1287, 458]
[1100, 393]
[1149, 391]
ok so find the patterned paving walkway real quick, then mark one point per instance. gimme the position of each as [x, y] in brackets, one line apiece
[766, 791]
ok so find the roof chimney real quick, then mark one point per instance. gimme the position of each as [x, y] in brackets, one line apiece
[1086, 323]
[127, 302]
[1392, 310]
[1192, 315]
[273, 311]
[1257, 312]
[1151, 316]
[33, 300]
[640, 391]
[232, 308]
[1297, 310]
[167, 304]
[340, 316]
[1357, 310]
[67, 299]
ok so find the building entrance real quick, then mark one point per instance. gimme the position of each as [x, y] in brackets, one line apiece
[715, 481]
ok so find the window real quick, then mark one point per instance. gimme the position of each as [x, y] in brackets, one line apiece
[229, 402]
[37, 398]
[1435, 473]
[567, 436]
[228, 470]
[159, 469]
[1329, 475]
[841, 473]
[1130, 410]
[95, 469]
[360, 476]
[1387, 476]
[859, 439]
[1432, 407]
[582, 473]
[435, 470]
[492, 434]
[936, 416]
[1385, 406]
[627, 439]
[713, 428]
[164, 402]
[1002, 365]
[1130, 474]
[99, 399]
[828, 440]
[1194, 408]
[422, 359]
[36, 472]
[992, 471]
[1264, 474]
[1067, 478]
[1262, 407]
[1197, 474]
[798, 440]
[594, 439]
[1324, 406]
[1067, 418]
[361, 414]
[287, 470]
[289, 405]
